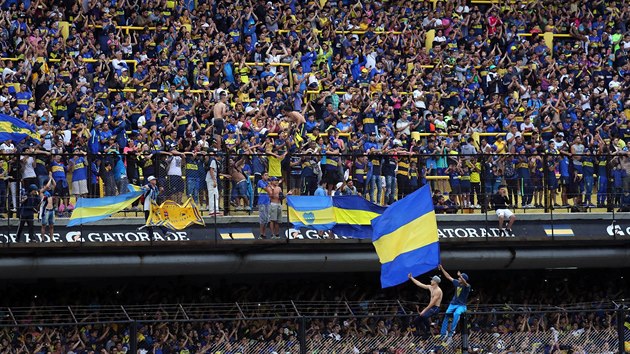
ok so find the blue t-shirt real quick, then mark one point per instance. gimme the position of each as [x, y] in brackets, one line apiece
[320, 192]
[263, 197]
[58, 171]
[79, 170]
[461, 293]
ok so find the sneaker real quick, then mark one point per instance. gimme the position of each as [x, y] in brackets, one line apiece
[61, 208]
[70, 207]
[565, 206]
[13, 210]
[590, 205]
[509, 232]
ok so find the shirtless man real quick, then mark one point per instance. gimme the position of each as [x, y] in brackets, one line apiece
[298, 119]
[220, 113]
[239, 184]
[433, 308]
[275, 208]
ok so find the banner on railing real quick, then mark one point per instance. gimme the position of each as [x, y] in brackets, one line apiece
[175, 216]
[449, 232]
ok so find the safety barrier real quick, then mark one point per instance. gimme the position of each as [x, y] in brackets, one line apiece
[346, 327]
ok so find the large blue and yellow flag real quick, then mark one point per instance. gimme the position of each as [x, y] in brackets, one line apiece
[15, 129]
[312, 212]
[406, 238]
[354, 215]
[93, 209]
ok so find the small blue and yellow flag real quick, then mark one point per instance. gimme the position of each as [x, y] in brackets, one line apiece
[93, 209]
[311, 212]
[15, 129]
[406, 238]
[354, 216]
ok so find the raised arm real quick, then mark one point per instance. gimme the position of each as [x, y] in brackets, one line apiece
[446, 275]
[415, 281]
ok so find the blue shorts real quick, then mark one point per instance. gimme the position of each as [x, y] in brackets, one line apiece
[48, 218]
[553, 182]
[241, 189]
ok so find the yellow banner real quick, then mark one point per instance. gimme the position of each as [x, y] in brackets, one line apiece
[175, 216]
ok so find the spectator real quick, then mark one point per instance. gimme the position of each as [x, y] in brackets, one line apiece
[500, 203]
[487, 72]
[28, 204]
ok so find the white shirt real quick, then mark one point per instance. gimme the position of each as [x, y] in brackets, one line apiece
[175, 166]
[29, 170]
[273, 59]
[211, 175]
[404, 125]
[118, 64]
[462, 9]
[7, 148]
[370, 60]
[48, 138]
[526, 127]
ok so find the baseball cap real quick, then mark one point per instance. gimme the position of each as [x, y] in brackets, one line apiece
[32, 187]
[465, 276]
[273, 178]
[151, 178]
[436, 279]
[339, 185]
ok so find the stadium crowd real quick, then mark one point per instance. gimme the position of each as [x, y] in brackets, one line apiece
[369, 97]
[591, 327]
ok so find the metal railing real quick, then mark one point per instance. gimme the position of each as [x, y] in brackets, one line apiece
[543, 180]
[462, 184]
[310, 327]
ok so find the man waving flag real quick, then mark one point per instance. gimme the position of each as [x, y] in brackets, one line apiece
[406, 238]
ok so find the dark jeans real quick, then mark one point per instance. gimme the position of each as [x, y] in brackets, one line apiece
[424, 321]
[309, 185]
[31, 229]
[476, 191]
[403, 186]
[512, 188]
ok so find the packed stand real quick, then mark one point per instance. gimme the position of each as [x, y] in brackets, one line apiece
[370, 111]
[592, 326]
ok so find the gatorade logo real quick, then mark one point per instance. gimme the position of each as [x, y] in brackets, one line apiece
[615, 230]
